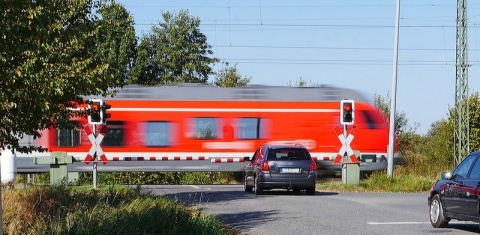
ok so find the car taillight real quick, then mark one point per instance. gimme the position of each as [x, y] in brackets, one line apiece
[313, 166]
[265, 166]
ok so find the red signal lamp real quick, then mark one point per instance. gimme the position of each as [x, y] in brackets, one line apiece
[347, 114]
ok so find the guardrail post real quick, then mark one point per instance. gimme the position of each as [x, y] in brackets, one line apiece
[58, 162]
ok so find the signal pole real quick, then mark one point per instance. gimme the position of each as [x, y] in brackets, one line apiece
[94, 171]
[97, 116]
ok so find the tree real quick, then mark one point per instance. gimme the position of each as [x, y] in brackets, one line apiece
[401, 121]
[230, 77]
[175, 51]
[438, 144]
[408, 140]
[474, 107]
[117, 42]
[474, 111]
[48, 56]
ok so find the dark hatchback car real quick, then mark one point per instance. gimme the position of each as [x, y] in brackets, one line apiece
[456, 194]
[287, 167]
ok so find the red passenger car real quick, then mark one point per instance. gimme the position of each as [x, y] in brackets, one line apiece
[202, 122]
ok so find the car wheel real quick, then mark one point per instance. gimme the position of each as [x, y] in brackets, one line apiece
[258, 189]
[310, 190]
[436, 213]
[245, 186]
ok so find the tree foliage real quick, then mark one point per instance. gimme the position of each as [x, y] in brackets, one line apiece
[408, 140]
[438, 143]
[48, 56]
[383, 103]
[474, 120]
[117, 42]
[175, 51]
[230, 77]
[474, 111]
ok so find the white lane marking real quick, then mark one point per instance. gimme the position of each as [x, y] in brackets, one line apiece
[195, 186]
[396, 223]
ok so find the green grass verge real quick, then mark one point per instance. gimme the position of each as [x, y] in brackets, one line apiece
[111, 210]
[380, 182]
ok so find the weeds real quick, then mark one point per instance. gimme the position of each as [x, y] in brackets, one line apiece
[414, 174]
[65, 210]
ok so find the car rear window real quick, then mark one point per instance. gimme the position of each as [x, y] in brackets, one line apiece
[288, 154]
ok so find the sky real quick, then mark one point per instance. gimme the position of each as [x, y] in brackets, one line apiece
[342, 43]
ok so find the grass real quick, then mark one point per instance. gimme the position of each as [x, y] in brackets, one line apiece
[380, 182]
[415, 173]
[111, 210]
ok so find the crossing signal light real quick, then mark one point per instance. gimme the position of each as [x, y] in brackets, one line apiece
[95, 114]
[105, 115]
[347, 114]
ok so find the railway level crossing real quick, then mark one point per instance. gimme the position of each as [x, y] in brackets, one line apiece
[346, 156]
[97, 116]
[58, 161]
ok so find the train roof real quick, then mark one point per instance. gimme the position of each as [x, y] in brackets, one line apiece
[205, 92]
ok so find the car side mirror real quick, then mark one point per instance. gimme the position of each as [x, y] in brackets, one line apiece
[247, 159]
[446, 175]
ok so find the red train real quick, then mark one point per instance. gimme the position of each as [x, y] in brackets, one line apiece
[202, 122]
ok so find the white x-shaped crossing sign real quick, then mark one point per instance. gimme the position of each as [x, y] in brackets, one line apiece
[345, 150]
[96, 148]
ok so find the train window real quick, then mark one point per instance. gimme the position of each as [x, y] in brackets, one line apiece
[206, 128]
[115, 134]
[370, 121]
[250, 128]
[68, 137]
[158, 134]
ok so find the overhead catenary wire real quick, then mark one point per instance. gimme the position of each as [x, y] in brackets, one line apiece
[265, 24]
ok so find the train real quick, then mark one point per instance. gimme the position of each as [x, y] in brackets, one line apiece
[200, 122]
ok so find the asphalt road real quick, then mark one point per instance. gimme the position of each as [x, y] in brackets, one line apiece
[280, 212]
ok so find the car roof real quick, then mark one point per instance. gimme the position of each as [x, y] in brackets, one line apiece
[275, 146]
[475, 153]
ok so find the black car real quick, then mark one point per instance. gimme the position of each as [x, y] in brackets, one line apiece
[283, 167]
[456, 194]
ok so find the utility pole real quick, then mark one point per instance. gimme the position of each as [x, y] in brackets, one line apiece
[461, 120]
[391, 138]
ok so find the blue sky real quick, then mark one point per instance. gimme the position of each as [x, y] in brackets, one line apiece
[343, 43]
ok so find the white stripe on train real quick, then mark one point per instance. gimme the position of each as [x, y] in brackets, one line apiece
[236, 110]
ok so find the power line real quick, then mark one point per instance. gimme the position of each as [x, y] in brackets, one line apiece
[319, 25]
[338, 62]
[335, 48]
